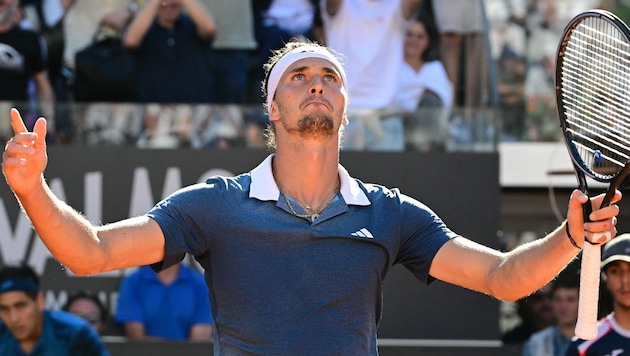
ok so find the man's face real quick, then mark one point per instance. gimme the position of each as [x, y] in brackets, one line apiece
[310, 99]
[169, 10]
[617, 277]
[90, 311]
[8, 9]
[564, 302]
[540, 305]
[22, 314]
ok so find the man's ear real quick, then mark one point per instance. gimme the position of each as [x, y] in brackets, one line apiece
[41, 302]
[274, 112]
[344, 120]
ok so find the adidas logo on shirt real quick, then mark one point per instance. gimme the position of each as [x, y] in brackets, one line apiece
[365, 233]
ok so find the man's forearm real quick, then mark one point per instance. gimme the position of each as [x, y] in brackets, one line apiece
[69, 236]
[140, 24]
[201, 17]
[523, 273]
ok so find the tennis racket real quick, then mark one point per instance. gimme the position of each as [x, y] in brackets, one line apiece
[593, 99]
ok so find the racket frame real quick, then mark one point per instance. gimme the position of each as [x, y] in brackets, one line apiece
[586, 327]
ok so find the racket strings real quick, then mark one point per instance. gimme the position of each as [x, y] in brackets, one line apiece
[594, 76]
[601, 102]
[614, 62]
[587, 64]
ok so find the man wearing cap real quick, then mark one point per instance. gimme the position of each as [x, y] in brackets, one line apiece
[613, 331]
[28, 329]
[295, 251]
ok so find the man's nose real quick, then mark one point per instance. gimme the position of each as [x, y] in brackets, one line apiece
[317, 86]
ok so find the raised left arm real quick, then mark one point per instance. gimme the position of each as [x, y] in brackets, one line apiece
[517, 273]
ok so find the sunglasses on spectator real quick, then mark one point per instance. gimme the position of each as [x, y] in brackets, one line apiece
[539, 296]
[92, 318]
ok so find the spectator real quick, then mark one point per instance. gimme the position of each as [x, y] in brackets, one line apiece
[172, 51]
[424, 92]
[172, 304]
[113, 123]
[536, 314]
[84, 18]
[232, 46]
[46, 18]
[462, 29]
[89, 307]
[216, 126]
[613, 336]
[370, 34]
[511, 71]
[464, 52]
[166, 126]
[278, 22]
[23, 61]
[28, 329]
[554, 340]
[83, 21]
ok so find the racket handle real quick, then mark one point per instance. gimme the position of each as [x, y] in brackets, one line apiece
[586, 327]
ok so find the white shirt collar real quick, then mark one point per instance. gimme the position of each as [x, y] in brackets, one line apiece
[264, 187]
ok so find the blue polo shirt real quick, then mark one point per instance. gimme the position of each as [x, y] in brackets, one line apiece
[167, 311]
[285, 285]
[62, 334]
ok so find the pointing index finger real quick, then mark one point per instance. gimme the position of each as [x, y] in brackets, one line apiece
[16, 122]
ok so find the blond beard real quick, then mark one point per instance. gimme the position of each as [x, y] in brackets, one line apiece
[313, 126]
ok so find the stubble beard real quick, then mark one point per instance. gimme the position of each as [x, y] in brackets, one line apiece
[316, 125]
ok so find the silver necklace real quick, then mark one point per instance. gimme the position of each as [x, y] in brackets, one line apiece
[314, 213]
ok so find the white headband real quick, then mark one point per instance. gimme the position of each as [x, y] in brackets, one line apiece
[293, 56]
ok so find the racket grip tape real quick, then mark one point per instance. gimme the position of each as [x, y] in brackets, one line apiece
[586, 326]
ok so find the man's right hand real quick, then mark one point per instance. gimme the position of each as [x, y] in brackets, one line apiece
[25, 158]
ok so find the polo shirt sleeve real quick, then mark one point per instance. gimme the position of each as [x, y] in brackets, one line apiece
[188, 219]
[423, 234]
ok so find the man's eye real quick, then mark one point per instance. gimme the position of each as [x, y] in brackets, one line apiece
[298, 76]
[329, 78]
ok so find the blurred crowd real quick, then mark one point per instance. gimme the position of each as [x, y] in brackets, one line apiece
[423, 74]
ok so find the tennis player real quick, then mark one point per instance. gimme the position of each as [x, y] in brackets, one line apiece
[296, 250]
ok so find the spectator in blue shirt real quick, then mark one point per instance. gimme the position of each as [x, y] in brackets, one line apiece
[28, 329]
[171, 305]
